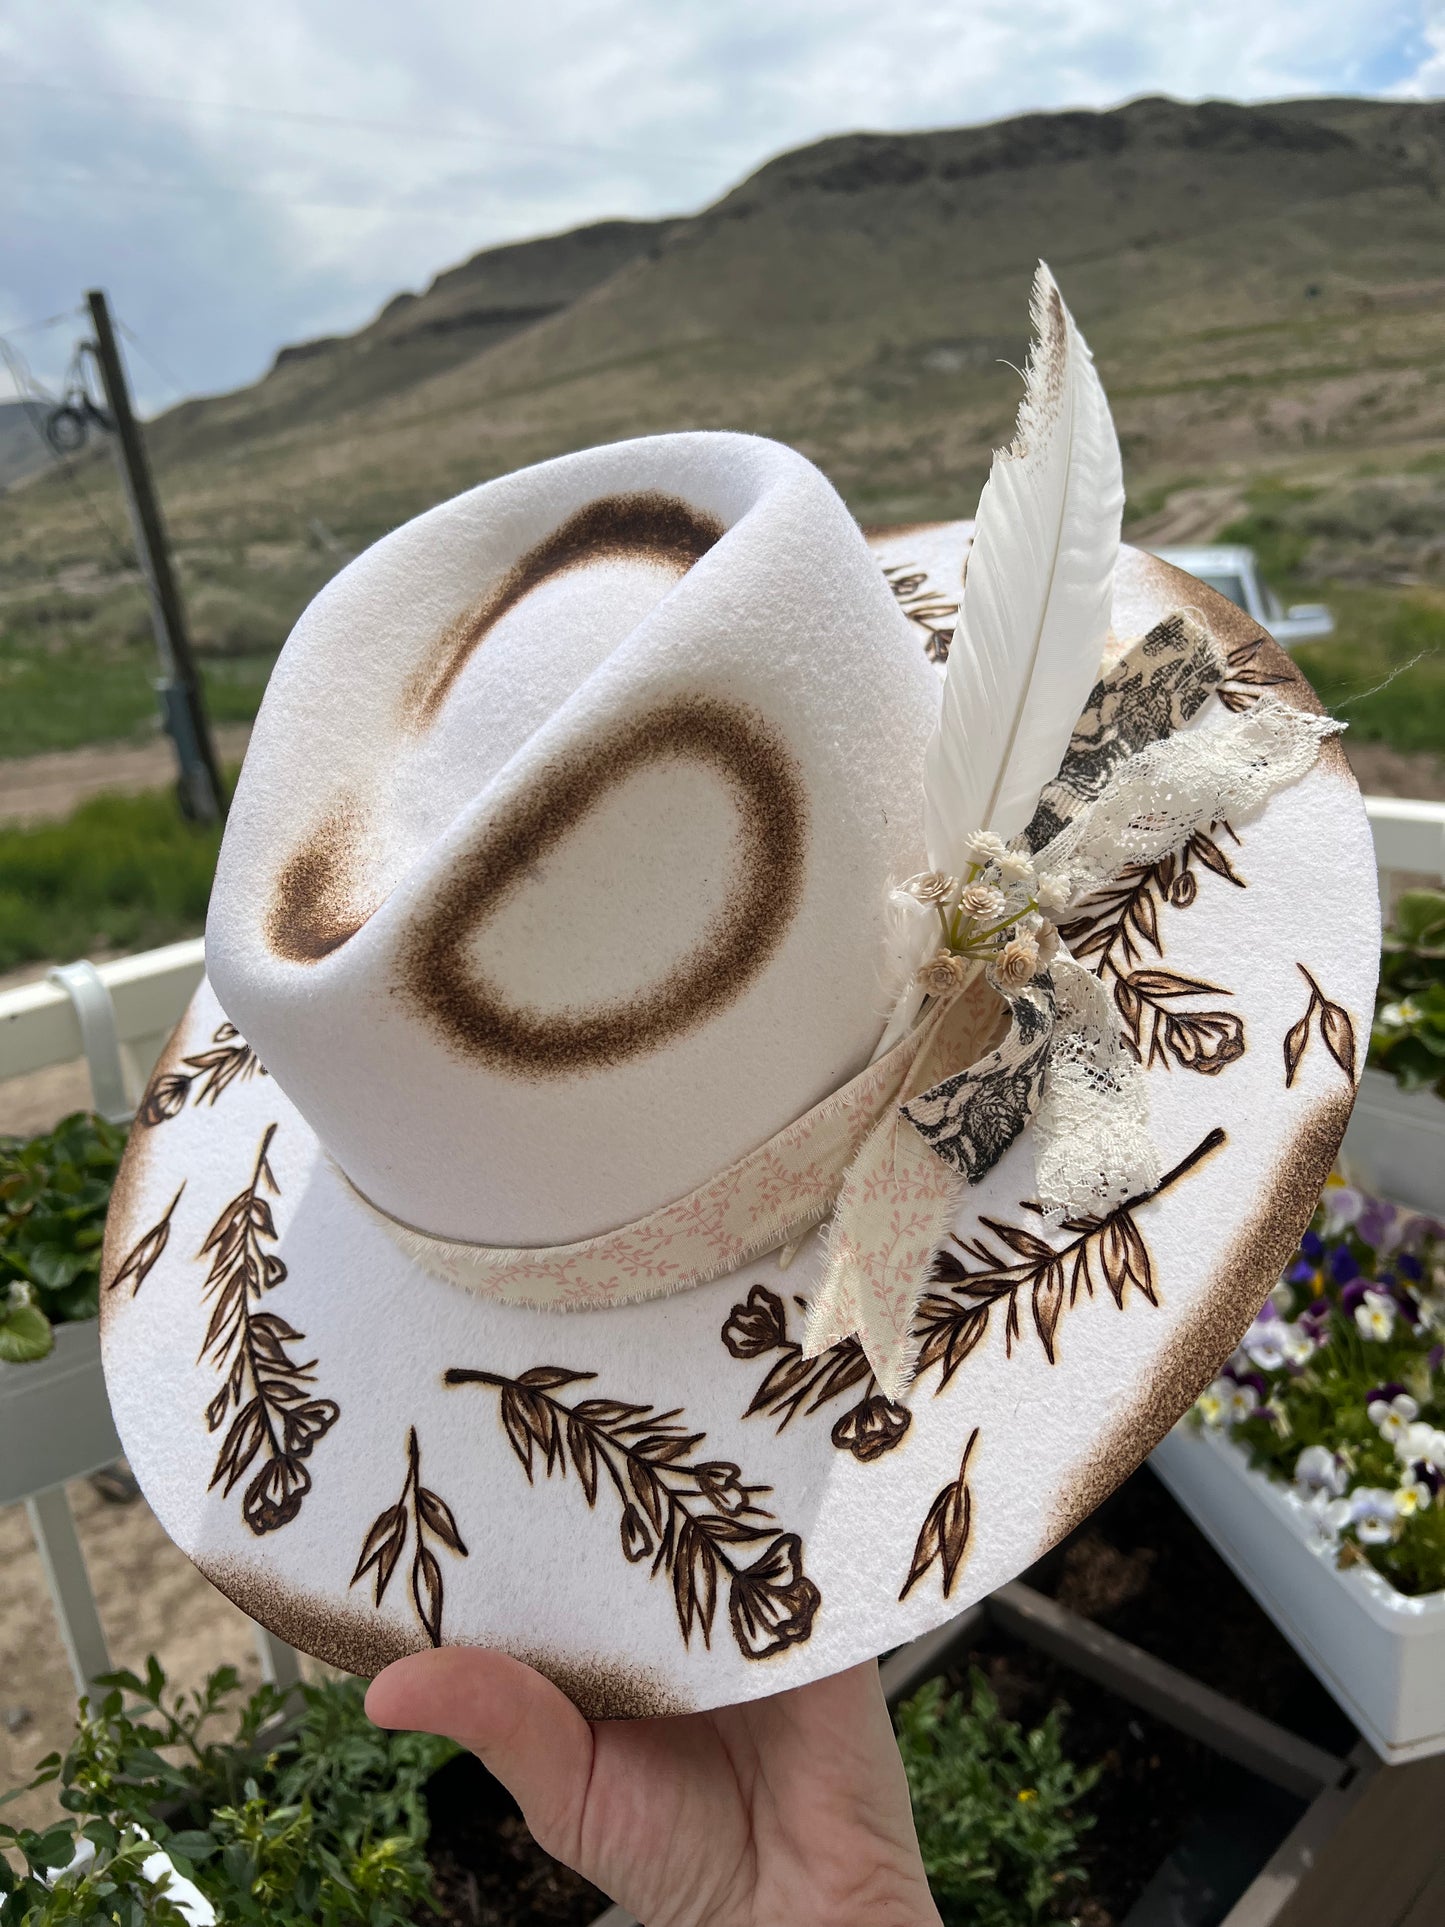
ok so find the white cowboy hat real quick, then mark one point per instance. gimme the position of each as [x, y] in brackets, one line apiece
[618, 886]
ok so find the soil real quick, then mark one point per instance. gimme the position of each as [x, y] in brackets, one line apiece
[489, 1870]
[36, 789]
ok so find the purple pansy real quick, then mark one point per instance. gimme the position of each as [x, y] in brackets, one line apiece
[1343, 1266]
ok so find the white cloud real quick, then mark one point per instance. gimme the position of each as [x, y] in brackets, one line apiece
[223, 231]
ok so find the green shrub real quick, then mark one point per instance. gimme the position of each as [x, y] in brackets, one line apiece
[124, 872]
[1407, 1038]
[995, 1807]
[325, 1825]
[54, 1190]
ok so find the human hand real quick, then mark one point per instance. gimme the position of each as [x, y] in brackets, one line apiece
[787, 1812]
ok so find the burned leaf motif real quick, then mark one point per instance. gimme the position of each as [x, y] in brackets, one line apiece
[419, 1512]
[982, 1278]
[1247, 679]
[794, 1384]
[208, 1074]
[1113, 927]
[250, 1348]
[944, 1536]
[932, 613]
[1336, 1028]
[1204, 1041]
[693, 1519]
[144, 1255]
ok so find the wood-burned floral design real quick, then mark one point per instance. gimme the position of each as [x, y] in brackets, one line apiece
[279, 1419]
[1018, 1267]
[419, 1512]
[1114, 925]
[934, 614]
[691, 1518]
[947, 1528]
[793, 1384]
[144, 1254]
[1246, 681]
[229, 1060]
[1337, 1033]
[1203, 1040]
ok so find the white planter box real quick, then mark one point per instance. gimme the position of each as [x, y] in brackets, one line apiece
[55, 1421]
[1380, 1654]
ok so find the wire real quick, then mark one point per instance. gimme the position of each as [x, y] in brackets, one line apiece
[307, 118]
[156, 366]
[36, 397]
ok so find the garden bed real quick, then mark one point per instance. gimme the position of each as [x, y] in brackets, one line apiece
[1179, 1830]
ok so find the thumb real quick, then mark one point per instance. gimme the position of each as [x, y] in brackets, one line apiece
[517, 1723]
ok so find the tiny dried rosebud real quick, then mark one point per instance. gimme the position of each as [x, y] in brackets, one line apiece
[1015, 867]
[1016, 964]
[931, 886]
[1048, 944]
[942, 974]
[983, 847]
[1052, 893]
[983, 901]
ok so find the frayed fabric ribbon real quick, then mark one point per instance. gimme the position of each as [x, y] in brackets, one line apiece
[768, 1199]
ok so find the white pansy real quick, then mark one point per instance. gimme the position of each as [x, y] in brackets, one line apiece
[1372, 1514]
[1318, 1470]
[1375, 1318]
[1282, 1297]
[1299, 1345]
[1412, 1497]
[1241, 1403]
[1211, 1401]
[19, 1293]
[1264, 1343]
[1337, 1515]
[1393, 1417]
[1422, 1444]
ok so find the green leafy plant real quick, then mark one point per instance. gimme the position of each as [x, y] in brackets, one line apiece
[1337, 1387]
[1408, 1035]
[54, 1191]
[322, 1822]
[996, 1807]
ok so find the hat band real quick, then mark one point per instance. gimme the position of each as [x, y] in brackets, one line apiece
[765, 1200]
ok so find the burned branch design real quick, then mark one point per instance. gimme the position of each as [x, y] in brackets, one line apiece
[947, 1528]
[1119, 921]
[419, 1512]
[1337, 1033]
[1013, 1266]
[794, 1384]
[1246, 681]
[230, 1060]
[279, 1419]
[933, 613]
[1204, 1040]
[691, 1518]
[144, 1254]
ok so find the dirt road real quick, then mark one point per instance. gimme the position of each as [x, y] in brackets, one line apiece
[35, 789]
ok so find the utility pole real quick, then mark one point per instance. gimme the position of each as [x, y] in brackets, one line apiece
[183, 710]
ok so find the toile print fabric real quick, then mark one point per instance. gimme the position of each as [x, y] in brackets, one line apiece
[677, 1503]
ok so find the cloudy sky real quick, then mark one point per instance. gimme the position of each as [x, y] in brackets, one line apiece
[243, 175]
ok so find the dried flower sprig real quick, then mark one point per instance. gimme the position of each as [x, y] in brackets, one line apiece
[997, 913]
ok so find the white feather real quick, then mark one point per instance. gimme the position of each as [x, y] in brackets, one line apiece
[1034, 616]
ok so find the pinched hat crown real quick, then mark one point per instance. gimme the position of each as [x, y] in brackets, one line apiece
[557, 875]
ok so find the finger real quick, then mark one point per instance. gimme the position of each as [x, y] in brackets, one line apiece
[517, 1723]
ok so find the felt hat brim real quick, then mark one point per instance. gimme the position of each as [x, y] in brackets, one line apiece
[664, 1506]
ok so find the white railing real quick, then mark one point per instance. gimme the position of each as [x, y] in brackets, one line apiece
[54, 1421]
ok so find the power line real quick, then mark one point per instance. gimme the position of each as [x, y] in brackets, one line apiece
[410, 130]
[36, 398]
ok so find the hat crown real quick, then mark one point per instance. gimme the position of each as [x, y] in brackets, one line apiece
[556, 877]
